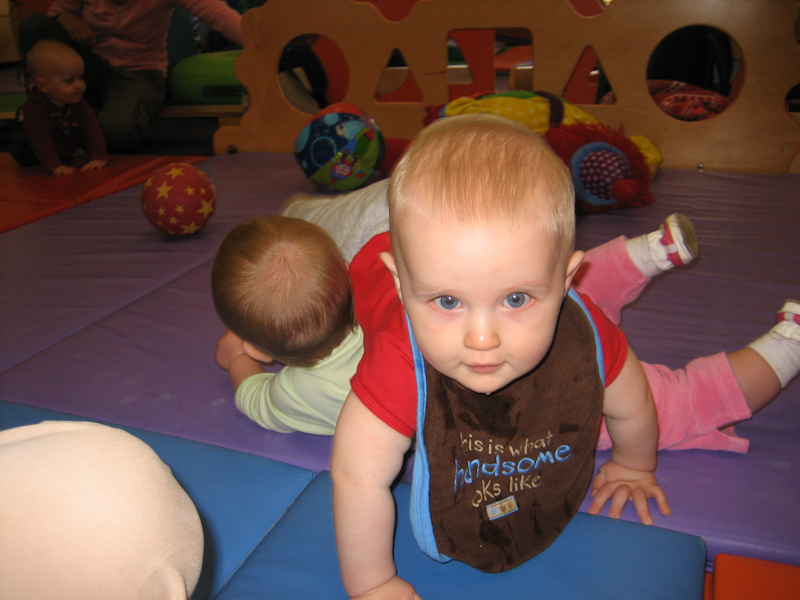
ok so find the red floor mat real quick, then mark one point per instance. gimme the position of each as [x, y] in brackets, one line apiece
[29, 193]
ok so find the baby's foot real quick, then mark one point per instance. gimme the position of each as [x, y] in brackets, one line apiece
[674, 244]
[788, 320]
[780, 346]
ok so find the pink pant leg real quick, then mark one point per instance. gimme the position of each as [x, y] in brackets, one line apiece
[693, 403]
[609, 278]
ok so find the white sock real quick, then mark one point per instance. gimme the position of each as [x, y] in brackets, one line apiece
[661, 250]
[780, 346]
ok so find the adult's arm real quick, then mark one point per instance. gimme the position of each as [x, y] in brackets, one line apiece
[217, 15]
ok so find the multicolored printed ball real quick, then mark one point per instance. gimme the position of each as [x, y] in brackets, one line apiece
[340, 147]
[179, 199]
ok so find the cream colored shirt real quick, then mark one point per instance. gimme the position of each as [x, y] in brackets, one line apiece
[306, 399]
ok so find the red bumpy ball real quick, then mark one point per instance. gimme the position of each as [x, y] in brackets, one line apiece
[179, 199]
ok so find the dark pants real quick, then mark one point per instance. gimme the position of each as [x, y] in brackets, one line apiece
[126, 101]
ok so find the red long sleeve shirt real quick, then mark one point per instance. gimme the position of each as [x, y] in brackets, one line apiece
[56, 133]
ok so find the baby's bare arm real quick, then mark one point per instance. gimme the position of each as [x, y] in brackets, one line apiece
[633, 426]
[631, 417]
[231, 356]
[367, 456]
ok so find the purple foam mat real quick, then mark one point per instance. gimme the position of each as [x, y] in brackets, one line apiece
[150, 365]
[749, 232]
[132, 347]
[68, 270]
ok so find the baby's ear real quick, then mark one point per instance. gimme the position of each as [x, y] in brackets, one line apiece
[255, 353]
[388, 260]
[41, 84]
[573, 264]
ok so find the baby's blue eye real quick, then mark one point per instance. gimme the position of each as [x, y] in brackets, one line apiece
[447, 302]
[516, 300]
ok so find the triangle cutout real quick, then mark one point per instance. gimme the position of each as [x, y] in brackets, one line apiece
[397, 83]
[458, 70]
[474, 72]
[588, 83]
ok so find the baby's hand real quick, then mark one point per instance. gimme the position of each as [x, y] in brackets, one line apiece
[64, 170]
[229, 347]
[94, 165]
[620, 484]
[394, 589]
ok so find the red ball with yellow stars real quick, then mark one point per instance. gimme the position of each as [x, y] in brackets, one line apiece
[179, 199]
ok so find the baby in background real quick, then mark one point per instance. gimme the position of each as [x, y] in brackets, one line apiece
[281, 287]
[307, 393]
[59, 124]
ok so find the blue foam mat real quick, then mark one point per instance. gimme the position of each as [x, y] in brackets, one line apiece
[239, 496]
[595, 557]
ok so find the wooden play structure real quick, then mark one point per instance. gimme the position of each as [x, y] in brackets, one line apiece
[755, 134]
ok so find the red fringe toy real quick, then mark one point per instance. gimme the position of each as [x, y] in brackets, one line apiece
[608, 169]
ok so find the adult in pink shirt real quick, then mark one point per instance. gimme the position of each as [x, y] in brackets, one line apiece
[124, 46]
